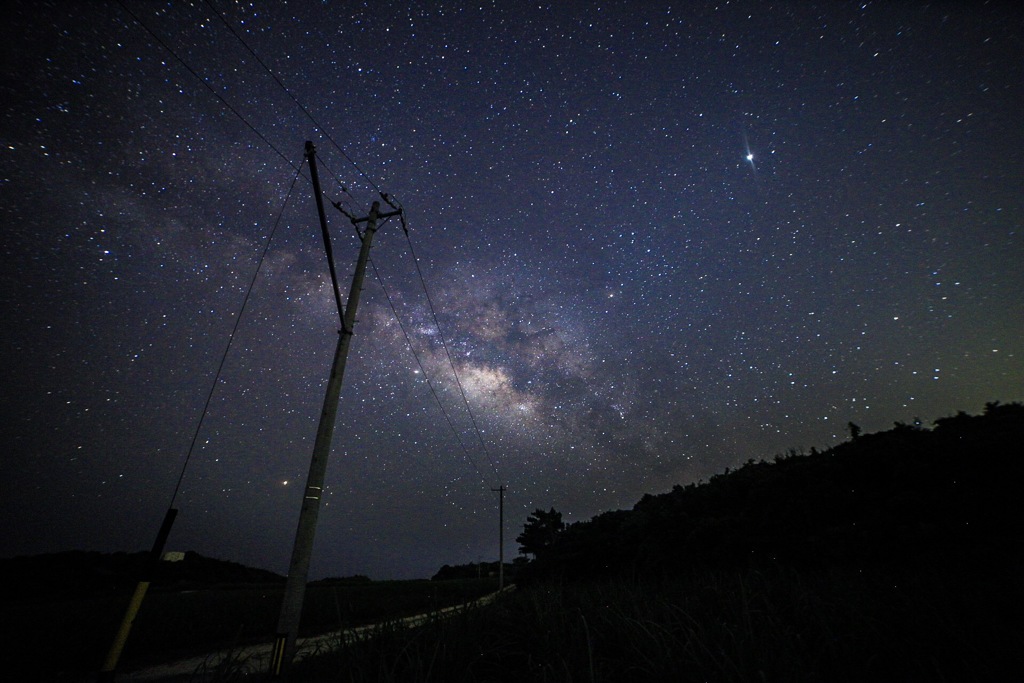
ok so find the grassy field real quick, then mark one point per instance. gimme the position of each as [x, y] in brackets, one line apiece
[778, 625]
[51, 640]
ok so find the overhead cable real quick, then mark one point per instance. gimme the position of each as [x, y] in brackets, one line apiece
[293, 97]
[426, 376]
[447, 353]
[208, 86]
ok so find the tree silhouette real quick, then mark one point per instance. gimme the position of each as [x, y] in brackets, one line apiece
[540, 531]
[853, 429]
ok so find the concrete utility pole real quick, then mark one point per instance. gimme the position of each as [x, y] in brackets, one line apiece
[295, 588]
[501, 536]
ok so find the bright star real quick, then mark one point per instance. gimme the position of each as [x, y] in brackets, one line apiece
[750, 155]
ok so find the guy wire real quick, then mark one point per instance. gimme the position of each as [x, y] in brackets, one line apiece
[231, 337]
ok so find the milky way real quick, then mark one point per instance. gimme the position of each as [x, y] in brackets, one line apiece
[629, 301]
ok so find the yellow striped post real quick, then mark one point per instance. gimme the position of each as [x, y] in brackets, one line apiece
[106, 673]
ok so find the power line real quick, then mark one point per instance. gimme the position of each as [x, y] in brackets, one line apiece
[208, 86]
[201, 79]
[293, 97]
[232, 109]
[447, 353]
[426, 376]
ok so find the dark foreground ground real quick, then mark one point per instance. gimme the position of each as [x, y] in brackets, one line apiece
[766, 625]
[60, 637]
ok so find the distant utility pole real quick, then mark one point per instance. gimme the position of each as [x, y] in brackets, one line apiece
[295, 588]
[501, 536]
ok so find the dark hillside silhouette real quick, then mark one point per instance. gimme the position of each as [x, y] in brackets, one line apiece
[910, 495]
[79, 574]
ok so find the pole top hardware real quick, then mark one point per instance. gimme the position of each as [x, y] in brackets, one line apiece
[389, 214]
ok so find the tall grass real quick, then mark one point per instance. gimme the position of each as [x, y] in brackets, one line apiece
[778, 625]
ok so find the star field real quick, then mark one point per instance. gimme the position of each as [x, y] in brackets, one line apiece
[658, 241]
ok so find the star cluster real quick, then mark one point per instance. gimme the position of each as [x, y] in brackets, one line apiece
[657, 241]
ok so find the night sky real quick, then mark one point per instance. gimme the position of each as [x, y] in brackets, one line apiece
[659, 241]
